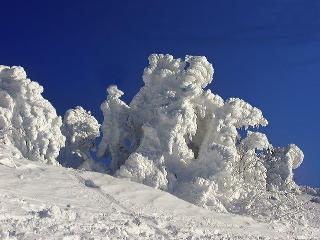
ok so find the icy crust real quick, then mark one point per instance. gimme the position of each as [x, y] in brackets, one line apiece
[81, 129]
[178, 137]
[27, 119]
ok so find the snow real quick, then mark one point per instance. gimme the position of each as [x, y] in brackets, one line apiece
[179, 137]
[27, 119]
[173, 136]
[80, 129]
[280, 164]
[39, 201]
[114, 112]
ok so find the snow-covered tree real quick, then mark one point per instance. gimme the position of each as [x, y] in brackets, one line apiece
[115, 129]
[81, 129]
[279, 163]
[176, 136]
[27, 119]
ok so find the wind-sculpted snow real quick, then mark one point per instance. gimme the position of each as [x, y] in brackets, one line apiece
[27, 119]
[179, 137]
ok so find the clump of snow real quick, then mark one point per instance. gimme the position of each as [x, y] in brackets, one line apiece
[28, 120]
[81, 129]
[179, 137]
[57, 213]
[141, 169]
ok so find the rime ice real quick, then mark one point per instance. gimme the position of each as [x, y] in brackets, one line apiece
[174, 135]
[81, 129]
[179, 137]
[27, 119]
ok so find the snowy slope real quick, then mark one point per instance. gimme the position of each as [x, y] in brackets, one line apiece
[39, 201]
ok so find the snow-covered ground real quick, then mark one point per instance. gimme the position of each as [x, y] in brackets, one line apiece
[39, 201]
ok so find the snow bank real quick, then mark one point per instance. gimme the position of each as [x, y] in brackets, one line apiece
[176, 136]
[27, 119]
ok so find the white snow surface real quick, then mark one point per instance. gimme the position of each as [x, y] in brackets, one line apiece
[40, 201]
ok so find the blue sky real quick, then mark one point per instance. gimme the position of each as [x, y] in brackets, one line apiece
[266, 52]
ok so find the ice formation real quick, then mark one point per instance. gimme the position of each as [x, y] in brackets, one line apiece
[81, 129]
[178, 137]
[28, 120]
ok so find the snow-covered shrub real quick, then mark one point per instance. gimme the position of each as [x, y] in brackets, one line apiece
[28, 120]
[80, 129]
[279, 163]
[176, 136]
[115, 140]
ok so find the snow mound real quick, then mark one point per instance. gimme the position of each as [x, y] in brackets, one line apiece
[28, 120]
[181, 138]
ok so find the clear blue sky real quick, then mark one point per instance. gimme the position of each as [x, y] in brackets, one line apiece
[266, 52]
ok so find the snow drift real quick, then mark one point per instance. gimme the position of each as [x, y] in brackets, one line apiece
[181, 138]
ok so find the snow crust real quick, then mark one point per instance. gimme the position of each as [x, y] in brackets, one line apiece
[181, 138]
[28, 120]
